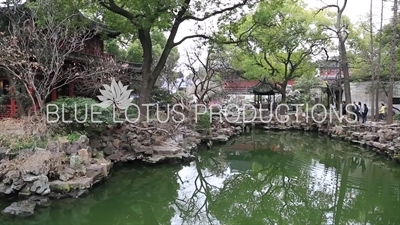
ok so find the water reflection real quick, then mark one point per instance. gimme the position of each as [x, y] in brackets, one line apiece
[288, 179]
[273, 178]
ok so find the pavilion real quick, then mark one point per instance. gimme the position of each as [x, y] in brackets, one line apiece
[263, 88]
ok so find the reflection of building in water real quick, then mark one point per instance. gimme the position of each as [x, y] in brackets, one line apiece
[244, 153]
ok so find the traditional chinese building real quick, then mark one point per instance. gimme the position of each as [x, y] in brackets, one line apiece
[242, 89]
[93, 48]
[331, 72]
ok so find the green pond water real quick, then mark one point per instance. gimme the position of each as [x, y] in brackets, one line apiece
[264, 178]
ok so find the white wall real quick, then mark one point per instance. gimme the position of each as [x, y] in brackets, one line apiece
[360, 93]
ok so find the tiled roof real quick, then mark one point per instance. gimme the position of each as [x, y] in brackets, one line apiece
[240, 84]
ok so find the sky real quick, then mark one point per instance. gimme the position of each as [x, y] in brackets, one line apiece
[356, 10]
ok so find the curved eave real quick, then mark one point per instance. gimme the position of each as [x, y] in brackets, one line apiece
[131, 66]
[112, 34]
[264, 93]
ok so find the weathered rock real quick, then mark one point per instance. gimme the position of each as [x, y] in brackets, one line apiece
[83, 141]
[109, 150]
[63, 144]
[22, 208]
[41, 185]
[98, 171]
[116, 143]
[114, 157]
[52, 146]
[40, 201]
[81, 183]
[60, 186]
[84, 156]
[72, 148]
[25, 191]
[6, 189]
[67, 174]
[11, 176]
[371, 137]
[75, 162]
[37, 163]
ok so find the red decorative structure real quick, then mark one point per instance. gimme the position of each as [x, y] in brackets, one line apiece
[71, 89]
[94, 48]
[13, 105]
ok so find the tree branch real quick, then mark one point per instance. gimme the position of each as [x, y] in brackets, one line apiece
[189, 17]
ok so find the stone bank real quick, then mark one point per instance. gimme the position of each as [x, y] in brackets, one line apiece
[384, 139]
[70, 168]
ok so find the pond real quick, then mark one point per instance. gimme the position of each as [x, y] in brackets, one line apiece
[264, 178]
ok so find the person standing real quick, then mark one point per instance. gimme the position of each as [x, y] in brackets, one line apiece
[382, 111]
[364, 113]
[344, 110]
[356, 111]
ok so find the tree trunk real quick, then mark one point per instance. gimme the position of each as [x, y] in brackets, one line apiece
[345, 69]
[378, 89]
[282, 110]
[342, 192]
[372, 52]
[147, 75]
[343, 55]
[392, 65]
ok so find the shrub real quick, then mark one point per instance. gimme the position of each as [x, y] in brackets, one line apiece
[203, 121]
[161, 95]
[16, 143]
[396, 117]
[74, 136]
[75, 114]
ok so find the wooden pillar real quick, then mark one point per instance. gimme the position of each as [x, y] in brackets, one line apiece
[328, 100]
[71, 89]
[13, 108]
[54, 95]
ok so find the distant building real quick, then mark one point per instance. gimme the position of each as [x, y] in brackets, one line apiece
[241, 88]
[330, 71]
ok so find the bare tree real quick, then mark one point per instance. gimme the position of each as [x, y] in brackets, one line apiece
[40, 48]
[89, 86]
[340, 29]
[392, 64]
[205, 77]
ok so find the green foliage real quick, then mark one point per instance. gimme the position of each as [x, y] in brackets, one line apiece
[133, 52]
[307, 82]
[79, 114]
[284, 37]
[203, 121]
[396, 117]
[161, 95]
[49, 14]
[74, 136]
[17, 143]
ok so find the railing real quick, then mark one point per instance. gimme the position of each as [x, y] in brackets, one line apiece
[9, 111]
[6, 111]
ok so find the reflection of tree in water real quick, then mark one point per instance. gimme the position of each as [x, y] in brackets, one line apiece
[309, 181]
[282, 178]
[194, 207]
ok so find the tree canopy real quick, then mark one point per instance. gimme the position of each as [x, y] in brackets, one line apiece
[284, 37]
